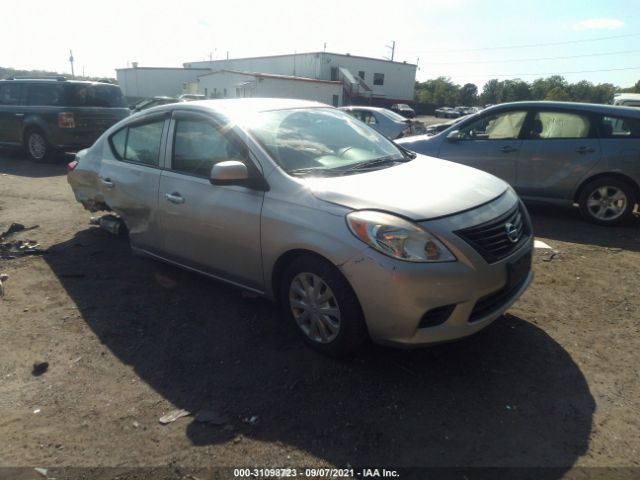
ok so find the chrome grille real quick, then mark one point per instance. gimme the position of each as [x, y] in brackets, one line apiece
[491, 239]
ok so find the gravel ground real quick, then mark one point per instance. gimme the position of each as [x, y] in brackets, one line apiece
[553, 383]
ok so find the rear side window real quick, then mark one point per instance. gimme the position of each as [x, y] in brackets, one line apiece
[199, 145]
[620, 127]
[139, 144]
[10, 94]
[94, 95]
[45, 94]
[552, 125]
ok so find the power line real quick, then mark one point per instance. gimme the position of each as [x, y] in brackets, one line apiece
[555, 73]
[512, 47]
[516, 60]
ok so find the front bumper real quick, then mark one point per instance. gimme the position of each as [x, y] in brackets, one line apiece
[396, 295]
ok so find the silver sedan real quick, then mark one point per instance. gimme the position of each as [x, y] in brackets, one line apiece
[299, 202]
[391, 124]
[554, 152]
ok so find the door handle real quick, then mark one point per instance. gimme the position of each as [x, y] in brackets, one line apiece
[174, 197]
[583, 150]
[508, 149]
[19, 114]
[107, 182]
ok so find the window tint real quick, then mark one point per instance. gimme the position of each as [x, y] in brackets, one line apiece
[143, 143]
[94, 95]
[10, 94]
[378, 78]
[619, 127]
[45, 94]
[560, 125]
[500, 126]
[198, 145]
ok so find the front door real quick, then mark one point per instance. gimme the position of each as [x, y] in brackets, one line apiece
[490, 143]
[11, 112]
[212, 228]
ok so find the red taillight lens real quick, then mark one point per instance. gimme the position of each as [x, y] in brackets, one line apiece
[71, 166]
[66, 120]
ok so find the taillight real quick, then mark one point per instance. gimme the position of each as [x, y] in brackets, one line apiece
[71, 166]
[66, 120]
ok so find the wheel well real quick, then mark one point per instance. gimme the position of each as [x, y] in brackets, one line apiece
[281, 264]
[617, 176]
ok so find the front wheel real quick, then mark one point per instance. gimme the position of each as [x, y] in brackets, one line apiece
[36, 146]
[316, 297]
[607, 201]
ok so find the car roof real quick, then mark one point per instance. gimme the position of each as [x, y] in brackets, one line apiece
[362, 107]
[235, 107]
[590, 107]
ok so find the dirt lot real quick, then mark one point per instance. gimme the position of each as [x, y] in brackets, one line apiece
[554, 383]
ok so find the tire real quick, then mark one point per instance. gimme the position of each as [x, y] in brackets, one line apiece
[331, 323]
[607, 201]
[36, 147]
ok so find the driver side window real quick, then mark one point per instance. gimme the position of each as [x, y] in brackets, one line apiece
[199, 145]
[499, 126]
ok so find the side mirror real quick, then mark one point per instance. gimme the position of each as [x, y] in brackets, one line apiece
[454, 136]
[231, 172]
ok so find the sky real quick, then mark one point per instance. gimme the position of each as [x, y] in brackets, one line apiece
[469, 41]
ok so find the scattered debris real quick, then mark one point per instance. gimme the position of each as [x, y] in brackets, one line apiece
[211, 416]
[173, 416]
[550, 255]
[37, 410]
[42, 471]
[541, 244]
[76, 360]
[136, 424]
[252, 420]
[3, 278]
[39, 368]
[110, 223]
[613, 249]
[19, 248]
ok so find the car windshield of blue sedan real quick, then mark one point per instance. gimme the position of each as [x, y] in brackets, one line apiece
[322, 142]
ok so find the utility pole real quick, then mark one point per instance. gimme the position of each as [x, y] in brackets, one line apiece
[71, 62]
[392, 47]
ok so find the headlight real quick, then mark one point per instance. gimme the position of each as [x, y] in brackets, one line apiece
[397, 237]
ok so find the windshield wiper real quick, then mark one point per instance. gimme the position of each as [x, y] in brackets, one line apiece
[390, 159]
[321, 171]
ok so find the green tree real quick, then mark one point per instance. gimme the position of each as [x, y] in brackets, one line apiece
[515, 90]
[469, 94]
[492, 92]
[558, 94]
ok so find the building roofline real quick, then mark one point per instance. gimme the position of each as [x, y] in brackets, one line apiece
[272, 75]
[162, 68]
[303, 53]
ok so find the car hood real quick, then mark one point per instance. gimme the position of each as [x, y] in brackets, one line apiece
[421, 189]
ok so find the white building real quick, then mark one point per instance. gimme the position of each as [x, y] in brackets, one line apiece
[147, 82]
[232, 84]
[319, 76]
[364, 80]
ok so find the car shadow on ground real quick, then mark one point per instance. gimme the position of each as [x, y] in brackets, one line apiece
[13, 162]
[509, 396]
[566, 225]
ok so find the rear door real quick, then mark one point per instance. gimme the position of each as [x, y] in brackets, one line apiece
[130, 178]
[212, 228]
[558, 150]
[95, 108]
[490, 143]
[11, 112]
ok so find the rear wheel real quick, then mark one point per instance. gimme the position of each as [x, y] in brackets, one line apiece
[36, 146]
[320, 302]
[607, 201]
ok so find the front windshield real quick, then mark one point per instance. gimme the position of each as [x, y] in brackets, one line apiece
[321, 141]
